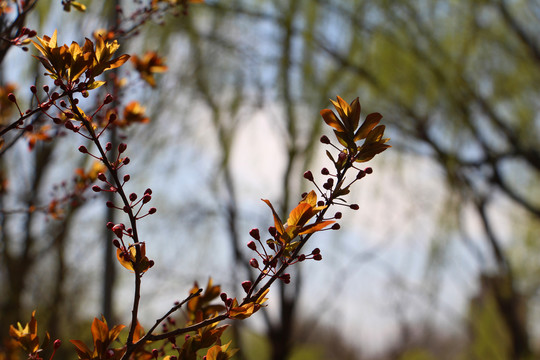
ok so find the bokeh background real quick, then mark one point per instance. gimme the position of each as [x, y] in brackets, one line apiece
[440, 262]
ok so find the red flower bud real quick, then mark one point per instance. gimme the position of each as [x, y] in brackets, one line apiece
[316, 251]
[146, 198]
[118, 230]
[127, 177]
[155, 353]
[254, 233]
[152, 210]
[109, 204]
[223, 296]
[116, 243]
[286, 278]
[102, 177]
[122, 147]
[317, 257]
[254, 263]
[325, 139]
[132, 197]
[337, 215]
[325, 171]
[46, 88]
[108, 99]
[308, 175]
[33, 89]
[354, 206]
[126, 161]
[246, 285]
[11, 97]
[336, 226]
[252, 245]
[108, 146]
[96, 188]
[368, 170]
[272, 230]
[57, 344]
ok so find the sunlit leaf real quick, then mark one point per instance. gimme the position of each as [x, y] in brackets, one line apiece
[277, 221]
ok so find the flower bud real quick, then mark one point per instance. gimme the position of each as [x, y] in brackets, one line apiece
[11, 97]
[254, 233]
[108, 146]
[126, 161]
[101, 176]
[122, 147]
[360, 174]
[46, 88]
[286, 278]
[252, 245]
[127, 177]
[152, 210]
[33, 89]
[317, 257]
[336, 226]
[308, 175]
[338, 215]
[116, 243]
[368, 170]
[57, 343]
[254, 263]
[325, 171]
[223, 296]
[132, 197]
[325, 139]
[96, 188]
[118, 230]
[354, 206]
[108, 99]
[246, 285]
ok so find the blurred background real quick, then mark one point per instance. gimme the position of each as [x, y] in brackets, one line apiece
[442, 260]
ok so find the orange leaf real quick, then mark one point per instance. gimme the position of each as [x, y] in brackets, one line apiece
[315, 227]
[331, 119]
[369, 123]
[82, 350]
[277, 221]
